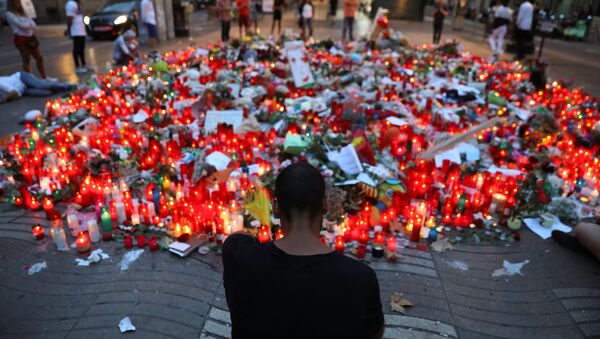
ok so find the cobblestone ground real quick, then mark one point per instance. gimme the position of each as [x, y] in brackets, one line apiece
[455, 295]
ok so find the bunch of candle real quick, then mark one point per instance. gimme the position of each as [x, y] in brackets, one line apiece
[134, 145]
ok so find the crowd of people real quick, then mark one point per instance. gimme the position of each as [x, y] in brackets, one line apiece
[501, 17]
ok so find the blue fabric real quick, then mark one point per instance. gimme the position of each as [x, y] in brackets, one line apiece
[152, 31]
[41, 87]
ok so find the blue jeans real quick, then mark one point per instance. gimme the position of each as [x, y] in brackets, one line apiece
[348, 26]
[40, 87]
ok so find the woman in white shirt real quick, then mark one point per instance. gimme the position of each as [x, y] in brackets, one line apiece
[76, 30]
[25, 40]
[307, 17]
[502, 18]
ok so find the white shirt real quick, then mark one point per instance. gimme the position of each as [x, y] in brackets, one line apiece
[13, 83]
[120, 47]
[525, 16]
[307, 11]
[148, 15]
[77, 25]
[21, 25]
[503, 12]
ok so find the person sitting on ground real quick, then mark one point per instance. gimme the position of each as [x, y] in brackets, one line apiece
[297, 287]
[585, 241]
[125, 48]
[22, 83]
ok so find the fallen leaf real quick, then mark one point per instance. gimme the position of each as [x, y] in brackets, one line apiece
[441, 245]
[398, 302]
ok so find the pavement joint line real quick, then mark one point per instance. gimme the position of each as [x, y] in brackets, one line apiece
[498, 290]
[533, 312]
[426, 325]
[136, 303]
[513, 325]
[137, 330]
[443, 288]
[100, 290]
[496, 300]
[163, 293]
[142, 315]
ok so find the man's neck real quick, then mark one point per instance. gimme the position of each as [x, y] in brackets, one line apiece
[301, 239]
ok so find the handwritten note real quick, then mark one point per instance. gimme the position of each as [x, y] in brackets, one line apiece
[347, 159]
[296, 54]
[230, 117]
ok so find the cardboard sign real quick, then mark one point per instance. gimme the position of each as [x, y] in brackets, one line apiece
[230, 117]
[296, 54]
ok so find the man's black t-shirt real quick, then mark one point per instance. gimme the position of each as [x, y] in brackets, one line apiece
[272, 294]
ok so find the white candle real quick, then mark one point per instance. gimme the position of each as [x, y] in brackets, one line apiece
[594, 197]
[121, 215]
[93, 231]
[73, 224]
[60, 238]
[135, 219]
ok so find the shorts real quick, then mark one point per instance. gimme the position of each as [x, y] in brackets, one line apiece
[277, 15]
[152, 31]
[244, 20]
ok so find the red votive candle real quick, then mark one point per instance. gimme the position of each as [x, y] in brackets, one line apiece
[141, 241]
[340, 244]
[153, 244]
[38, 231]
[128, 241]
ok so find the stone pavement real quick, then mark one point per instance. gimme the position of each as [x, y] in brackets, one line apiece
[455, 295]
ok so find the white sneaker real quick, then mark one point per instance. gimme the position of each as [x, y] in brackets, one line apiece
[51, 79]
[80, 70]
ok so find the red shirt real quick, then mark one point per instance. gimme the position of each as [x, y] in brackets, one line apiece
[243, 7]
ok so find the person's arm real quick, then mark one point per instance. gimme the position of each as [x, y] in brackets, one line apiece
[520, 16]
[374, 312]
[70, 15]
[444, 10]
[123, 46]
[19, 22]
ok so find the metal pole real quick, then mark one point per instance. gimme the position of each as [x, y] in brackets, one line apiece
[544, 35]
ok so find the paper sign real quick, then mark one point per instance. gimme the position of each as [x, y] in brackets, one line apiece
[396, 121]
[347, 159]
[364, 177]
[230, 117]
[219, 160]
[505, 171]
[471, 151]
[296, 54]
[536, 227]
[453, 155]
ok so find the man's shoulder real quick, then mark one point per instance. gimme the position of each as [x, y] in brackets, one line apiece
[357, 269]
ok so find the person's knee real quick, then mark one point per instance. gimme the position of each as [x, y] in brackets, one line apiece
[586, 229]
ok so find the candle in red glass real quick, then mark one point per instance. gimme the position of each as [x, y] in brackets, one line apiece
[379, 238]
[416, 232]
[392, 243]
[153, 244]
[141, 241]
[48, 205]
[128, 241]
[263, 234]
[339, 244]
[18, 201]
[82, 242]
[34, 204]
[363, 237]
[361, 251]
[38, 231]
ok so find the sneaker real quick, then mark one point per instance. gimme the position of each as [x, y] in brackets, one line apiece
[568, 241]
[81, 70]
[90, 68]
[52, 79]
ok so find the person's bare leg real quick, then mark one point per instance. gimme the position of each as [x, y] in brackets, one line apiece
[279, 27]
[39, 61]
[272, 27]
[152, 43]
[588, 235]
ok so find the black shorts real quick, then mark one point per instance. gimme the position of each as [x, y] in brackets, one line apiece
[277, 15]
